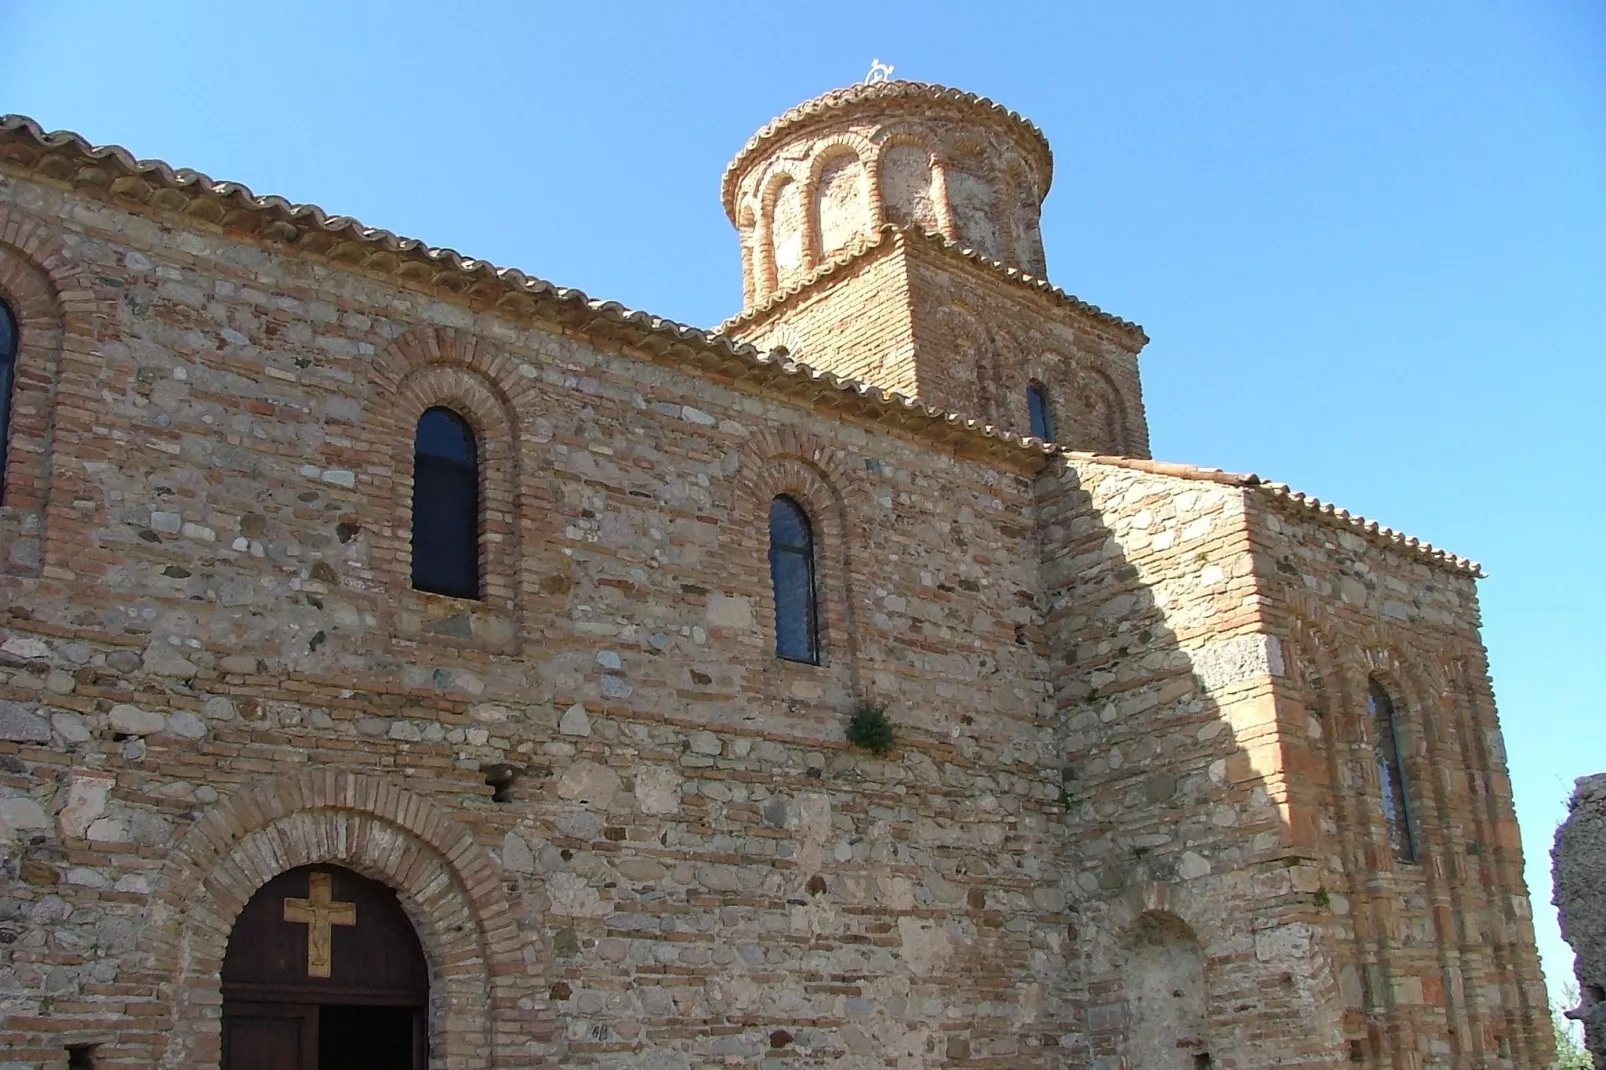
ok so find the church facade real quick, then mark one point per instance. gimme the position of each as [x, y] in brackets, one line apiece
[408, 662]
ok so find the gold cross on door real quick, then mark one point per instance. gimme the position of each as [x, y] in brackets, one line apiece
[319, 912]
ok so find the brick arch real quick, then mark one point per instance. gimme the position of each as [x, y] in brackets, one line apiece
[819, 477]
[827, 151]
[58, 317]
[767, 278]
[471, 397]
[1104, 410]
[483, 383]
[450, 888]
[971, 156]
[901, 135]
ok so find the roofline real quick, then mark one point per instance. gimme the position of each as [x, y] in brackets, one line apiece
[1304, 505]
[111, 173]
[818, 109]
[899, 235]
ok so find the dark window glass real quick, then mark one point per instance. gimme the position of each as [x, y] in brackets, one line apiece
[8, 374]
[446, 506]
[1390, 775]
[797, 635]
[1037, 409]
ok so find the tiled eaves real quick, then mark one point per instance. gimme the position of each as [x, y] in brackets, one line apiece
[111, 173]
[888, 236]
[824, 106]
[1298, 503]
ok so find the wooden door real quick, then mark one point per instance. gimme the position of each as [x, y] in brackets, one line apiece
[323, 958]
[270, 1036]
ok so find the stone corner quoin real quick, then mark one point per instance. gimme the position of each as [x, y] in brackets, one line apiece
[1189, 770]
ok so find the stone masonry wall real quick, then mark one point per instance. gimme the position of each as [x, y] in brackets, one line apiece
[1579, 860]
[1435, 957]
[219, 672]
[1164, 687]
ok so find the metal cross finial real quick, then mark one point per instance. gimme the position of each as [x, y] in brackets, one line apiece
[879, 72]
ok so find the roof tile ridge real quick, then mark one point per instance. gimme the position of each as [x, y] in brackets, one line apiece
[712, 343]
[1372, 529]
[1025, 278]
[1299, 500]
[1166, 468]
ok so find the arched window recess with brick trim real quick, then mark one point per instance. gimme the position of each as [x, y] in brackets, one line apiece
[782, 462]
[456, 413]
[52, 315]
[1387, 749]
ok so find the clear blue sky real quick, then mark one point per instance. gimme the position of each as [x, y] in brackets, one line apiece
[1368, 238]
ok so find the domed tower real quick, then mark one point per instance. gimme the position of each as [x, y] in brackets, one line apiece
[890, 233]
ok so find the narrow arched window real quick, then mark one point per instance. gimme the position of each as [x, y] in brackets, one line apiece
[1037, 410]
[446, 506]
[8, 375]
[1390, 773]
[797, 633]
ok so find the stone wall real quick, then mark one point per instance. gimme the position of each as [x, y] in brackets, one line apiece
[1579, 868]
[1165, 687]
[219, 672]
[1435, 957]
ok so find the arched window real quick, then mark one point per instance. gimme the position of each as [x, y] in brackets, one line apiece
[8, 374]
[1390, 774]
[446, 506]
[797, 633]
[1037, 409]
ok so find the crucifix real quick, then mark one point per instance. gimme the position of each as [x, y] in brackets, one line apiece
[319, 912]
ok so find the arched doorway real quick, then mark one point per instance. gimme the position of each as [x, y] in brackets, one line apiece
[323, 971]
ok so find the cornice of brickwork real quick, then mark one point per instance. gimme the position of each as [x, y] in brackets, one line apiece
[112, 174]
[891, 237]
[914, 95]
[1296, 503]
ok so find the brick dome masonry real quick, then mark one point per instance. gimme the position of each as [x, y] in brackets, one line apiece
[409, 660]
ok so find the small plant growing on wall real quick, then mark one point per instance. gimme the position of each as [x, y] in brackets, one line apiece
[870, 729]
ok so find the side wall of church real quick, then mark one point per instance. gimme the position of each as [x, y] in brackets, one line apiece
[1198, 938]
[219, 671]
[1437, 958]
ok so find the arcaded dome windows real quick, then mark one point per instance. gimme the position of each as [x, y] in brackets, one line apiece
[1039, 413]
[8, 373]
[797, 617]
[1390, 772]
[446, 505]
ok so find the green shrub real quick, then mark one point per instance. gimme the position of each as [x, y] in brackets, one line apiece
[870, 729]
